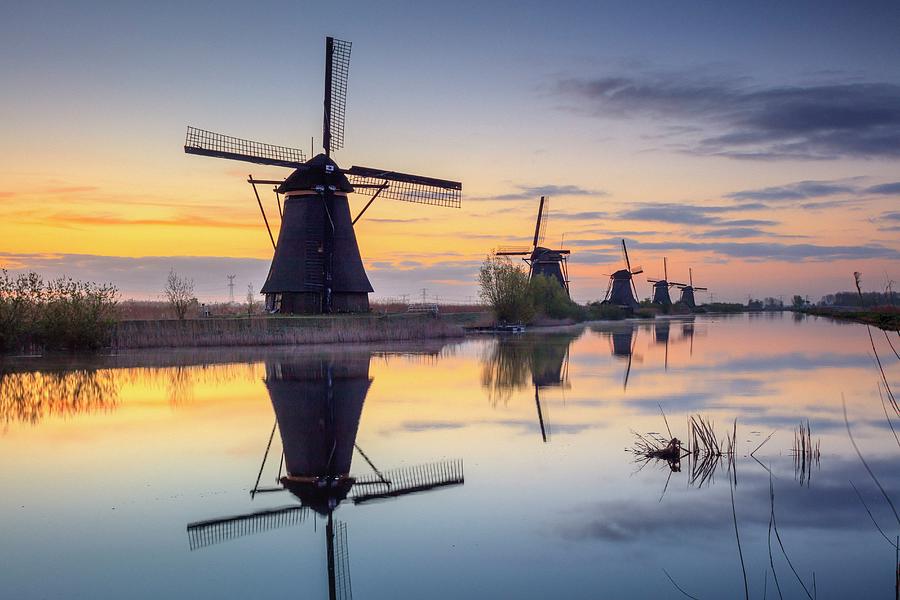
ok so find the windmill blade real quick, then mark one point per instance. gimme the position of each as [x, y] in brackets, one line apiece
[208, 143]
[625, 252]
[637, 270]
[512, 251]
[700, 289]
[409, 480]
[408, 188]
[654, 280]
[337, 70]
[206, 533]
[538, 229]
[341, 552]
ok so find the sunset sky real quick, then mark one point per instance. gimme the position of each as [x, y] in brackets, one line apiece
[758, 144]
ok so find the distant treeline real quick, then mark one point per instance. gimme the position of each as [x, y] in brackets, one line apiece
[863, 299]
[55, 314]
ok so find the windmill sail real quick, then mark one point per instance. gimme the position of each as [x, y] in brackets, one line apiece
[408, 480]
[337, 70]
[408, 188]
[208, 143]
[206, 533]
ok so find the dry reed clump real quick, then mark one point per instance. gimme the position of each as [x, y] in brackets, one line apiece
[705, 452]
[278, 331]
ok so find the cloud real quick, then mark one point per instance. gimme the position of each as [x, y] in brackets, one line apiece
[581, 216]
[691, 214]
[800, 190]
[891, 216]
[734, 232]
[740, 120]
[888, 189]
[533, 192]
[769, 250]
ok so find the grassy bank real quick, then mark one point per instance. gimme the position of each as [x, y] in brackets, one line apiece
[883, 317]
[273, 331]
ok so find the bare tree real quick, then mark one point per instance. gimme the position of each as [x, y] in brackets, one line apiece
[180, 293]
[251, 300]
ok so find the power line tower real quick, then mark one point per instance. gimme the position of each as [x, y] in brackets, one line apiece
[230, 289]
[424, 291]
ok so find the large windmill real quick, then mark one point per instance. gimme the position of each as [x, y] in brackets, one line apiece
[318, 402]
[621, 284]
[541, 260]
[661, 287]
[316, 265]
[687, 290]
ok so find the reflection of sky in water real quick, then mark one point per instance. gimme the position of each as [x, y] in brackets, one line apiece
[103, 465]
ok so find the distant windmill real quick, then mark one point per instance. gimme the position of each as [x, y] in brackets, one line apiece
[621, 284]
[661, 287]
[316, 265]
[687, 291]
[318, 403]
[541, 260]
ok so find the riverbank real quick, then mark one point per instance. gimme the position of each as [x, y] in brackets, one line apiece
[886, 317]
[283, 330]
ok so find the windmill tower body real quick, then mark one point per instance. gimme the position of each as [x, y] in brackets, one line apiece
[620, 293]
[318, 404]
[661, 293]
[317, 261]
[687, 296]
[548, 263]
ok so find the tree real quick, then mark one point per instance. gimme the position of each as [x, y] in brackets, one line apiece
[797, 301]
[251, 300]
[180, 293]
[504, 287]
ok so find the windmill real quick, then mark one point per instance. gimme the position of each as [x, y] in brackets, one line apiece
[318, 402]
[316, 265]
[661, 287]
[541, 260]
[687, 291]
[621, 284]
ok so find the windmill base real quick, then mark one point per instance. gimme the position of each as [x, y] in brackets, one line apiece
[310, 303]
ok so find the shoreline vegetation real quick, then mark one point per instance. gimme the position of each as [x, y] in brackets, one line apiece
[882, 317]
[38, 316]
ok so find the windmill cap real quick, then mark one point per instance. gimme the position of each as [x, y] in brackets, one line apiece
[315, 172]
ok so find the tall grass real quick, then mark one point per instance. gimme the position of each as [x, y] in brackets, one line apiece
[271, 331]
[56, 314]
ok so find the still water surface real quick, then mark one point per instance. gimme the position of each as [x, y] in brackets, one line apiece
[487, 468]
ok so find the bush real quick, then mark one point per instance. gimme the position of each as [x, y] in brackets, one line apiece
[606, 312]
[61, 313]
[504, 287]
[551, 300]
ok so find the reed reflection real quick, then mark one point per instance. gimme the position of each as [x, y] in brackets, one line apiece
[318, 403]
[30, 397]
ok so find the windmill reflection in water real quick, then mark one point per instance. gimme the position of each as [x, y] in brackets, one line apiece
[507, 365]
[318, 403]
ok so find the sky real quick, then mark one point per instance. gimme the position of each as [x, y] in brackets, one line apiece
[757, 144]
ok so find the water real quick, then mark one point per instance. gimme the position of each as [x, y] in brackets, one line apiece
[116, 472]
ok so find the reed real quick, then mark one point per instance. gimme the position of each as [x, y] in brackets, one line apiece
[806, 453]
[273, 331]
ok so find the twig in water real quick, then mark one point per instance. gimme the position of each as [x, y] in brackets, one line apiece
[874, 522]
[738, 538]
[865, 464]
[890, 343]
[771, 521]
[886, 416]
[678, 587]
[763, 443]
[774, 524]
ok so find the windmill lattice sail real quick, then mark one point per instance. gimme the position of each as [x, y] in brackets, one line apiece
[337, 71]
[209, 143]
[206, 533]
[408, 480]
